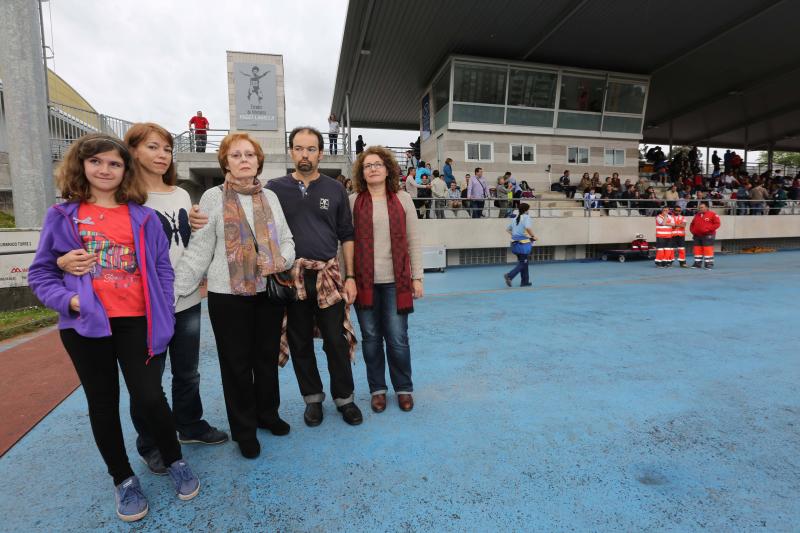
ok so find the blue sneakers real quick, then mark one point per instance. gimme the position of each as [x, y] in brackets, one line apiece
[131, 503]
[186, 483]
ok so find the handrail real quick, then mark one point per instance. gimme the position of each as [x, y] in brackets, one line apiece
[614, 207]
[189, 141]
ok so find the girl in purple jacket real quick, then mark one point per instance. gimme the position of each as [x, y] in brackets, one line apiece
[119, 312]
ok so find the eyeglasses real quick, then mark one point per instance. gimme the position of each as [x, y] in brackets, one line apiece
[236, 156]
[300, 149]
[373, 166]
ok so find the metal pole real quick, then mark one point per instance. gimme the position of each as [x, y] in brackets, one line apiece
[746, 135]
[25, 99]
[770, 155]
[669, 155]
[347, 114]
[44, 53]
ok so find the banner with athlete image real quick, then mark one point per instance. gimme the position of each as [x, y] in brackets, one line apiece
[255, 87]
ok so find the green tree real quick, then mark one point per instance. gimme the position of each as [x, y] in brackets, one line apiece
[791, 159]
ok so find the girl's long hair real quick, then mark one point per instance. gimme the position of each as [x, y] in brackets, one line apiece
[71, 178]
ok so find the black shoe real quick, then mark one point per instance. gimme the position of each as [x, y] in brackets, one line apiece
[526, 284]
[313, 414]
[508, 280]
[697, 265]
[276, 427]
[250, 448]
[684, 265]
[154, 462]
[351, 413]
[212, 436]
[709, 267]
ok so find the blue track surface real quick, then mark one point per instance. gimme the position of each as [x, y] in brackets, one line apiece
[608, 397]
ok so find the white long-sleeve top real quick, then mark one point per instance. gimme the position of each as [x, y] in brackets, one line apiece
[206, 250]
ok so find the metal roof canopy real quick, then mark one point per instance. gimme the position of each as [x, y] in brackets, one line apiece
[722, 73]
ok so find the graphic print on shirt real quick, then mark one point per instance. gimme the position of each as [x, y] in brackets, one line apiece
[176, 226]
[116, 263]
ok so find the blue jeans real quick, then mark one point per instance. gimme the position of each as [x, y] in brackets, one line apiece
[521, 268]
[184, 354]
[384, 323]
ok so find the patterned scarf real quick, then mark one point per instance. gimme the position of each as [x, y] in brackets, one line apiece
[365, 251]
[252, 253]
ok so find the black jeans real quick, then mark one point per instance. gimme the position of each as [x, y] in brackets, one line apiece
[477, 208]
[184, 358]
[95, 361]
[248, 334]
[303, 315]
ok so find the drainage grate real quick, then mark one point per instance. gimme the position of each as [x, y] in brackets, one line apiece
[736, 246]
[482, 256]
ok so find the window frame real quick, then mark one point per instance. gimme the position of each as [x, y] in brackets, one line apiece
[479, 143]
[522, 146]
[577, 161]
[605, 153]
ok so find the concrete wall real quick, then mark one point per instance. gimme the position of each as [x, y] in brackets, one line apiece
[550, 150]
[567, 231]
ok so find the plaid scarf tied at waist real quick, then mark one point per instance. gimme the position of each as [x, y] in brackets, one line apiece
[330, 291]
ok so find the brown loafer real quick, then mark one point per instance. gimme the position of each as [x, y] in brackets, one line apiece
[378, 403]
[405, 401]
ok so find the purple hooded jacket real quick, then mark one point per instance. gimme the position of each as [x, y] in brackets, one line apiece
[55, 288]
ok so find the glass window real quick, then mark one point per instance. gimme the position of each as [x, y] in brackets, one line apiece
[483, 114]
[579, 121]
[581, 93]
[480, 84]
[622, 124]
[475, 151]
[523, 153]
[529, 117]
[441, 91]
[532, 89]
[615, 157]
[578, 155]
[625, 97]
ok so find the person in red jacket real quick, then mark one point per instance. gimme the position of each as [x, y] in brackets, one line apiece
[679, 235]
[704, 228]
[664, 252]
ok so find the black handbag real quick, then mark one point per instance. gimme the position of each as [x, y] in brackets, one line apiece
[280, 288]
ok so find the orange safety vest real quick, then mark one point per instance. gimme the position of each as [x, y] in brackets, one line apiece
[664, 226]
[680, 226]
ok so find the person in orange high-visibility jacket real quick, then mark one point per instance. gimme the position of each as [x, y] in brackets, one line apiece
[664, 251]
[679, 235]
[704, 229]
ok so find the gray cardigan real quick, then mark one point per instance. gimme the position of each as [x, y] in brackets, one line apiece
[206, 250]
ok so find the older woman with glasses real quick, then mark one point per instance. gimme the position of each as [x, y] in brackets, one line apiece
[388, 269]
[246, 240]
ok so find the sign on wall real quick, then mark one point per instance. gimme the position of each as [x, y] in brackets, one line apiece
[255, 89]
[17, 250]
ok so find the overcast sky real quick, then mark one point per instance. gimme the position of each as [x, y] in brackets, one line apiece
[162, 60]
